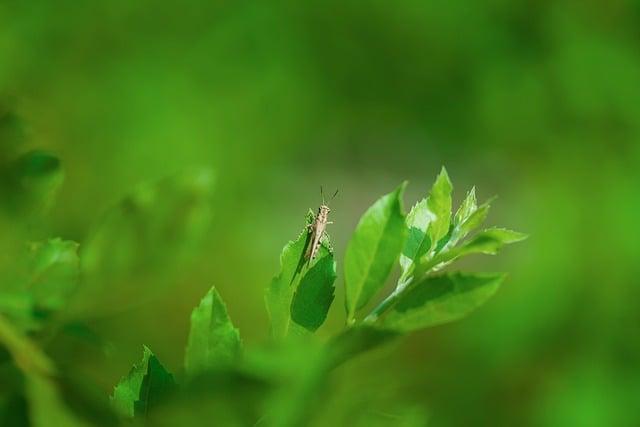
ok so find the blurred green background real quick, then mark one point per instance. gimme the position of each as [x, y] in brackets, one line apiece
[536, 101]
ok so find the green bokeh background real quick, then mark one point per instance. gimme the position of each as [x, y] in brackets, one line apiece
[536, 101]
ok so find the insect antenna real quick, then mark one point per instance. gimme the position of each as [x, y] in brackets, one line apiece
[332, 197]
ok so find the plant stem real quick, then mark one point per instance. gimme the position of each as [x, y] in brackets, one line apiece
[384, 305]
[404, 285]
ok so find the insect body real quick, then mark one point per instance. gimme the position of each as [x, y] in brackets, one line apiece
[317, 228]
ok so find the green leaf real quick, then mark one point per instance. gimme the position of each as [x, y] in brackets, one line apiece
[418, 242]
[491, 240]
[473, 221]
[293, 269]
[54, 271]
[314, 294]
[488, 242]
[213, 340]
[441, 299]
[439, 203]
[468, 206]
[146, 384]
[373, 249]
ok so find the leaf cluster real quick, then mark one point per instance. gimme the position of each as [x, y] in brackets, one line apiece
[57, 280]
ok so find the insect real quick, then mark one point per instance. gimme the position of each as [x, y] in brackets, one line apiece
[318, 226]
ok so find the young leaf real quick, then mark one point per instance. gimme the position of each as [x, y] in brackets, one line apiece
[439, 203]
[441, 299]
[488, 242]
[491, 240]
[54, 274]
[418, 242]
[213, 340]
[468, 206]
[373, 249]
[315, 294]
[473, 221]
[147, 383]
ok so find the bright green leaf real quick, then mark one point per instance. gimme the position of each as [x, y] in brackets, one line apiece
[418, 242]
[314, 294]
[468, 206]
[439, 203]
[373, 249]
[473, 221]
[147, 383]
[213, 340]
[488, 242]
[441, 299]
[491, 240]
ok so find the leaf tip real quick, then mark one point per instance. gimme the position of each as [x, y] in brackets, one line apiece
[444, 175]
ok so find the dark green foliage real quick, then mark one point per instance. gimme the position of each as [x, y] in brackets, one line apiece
[156, 385]
[440, 299]
[314, 295]
[146, 385]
